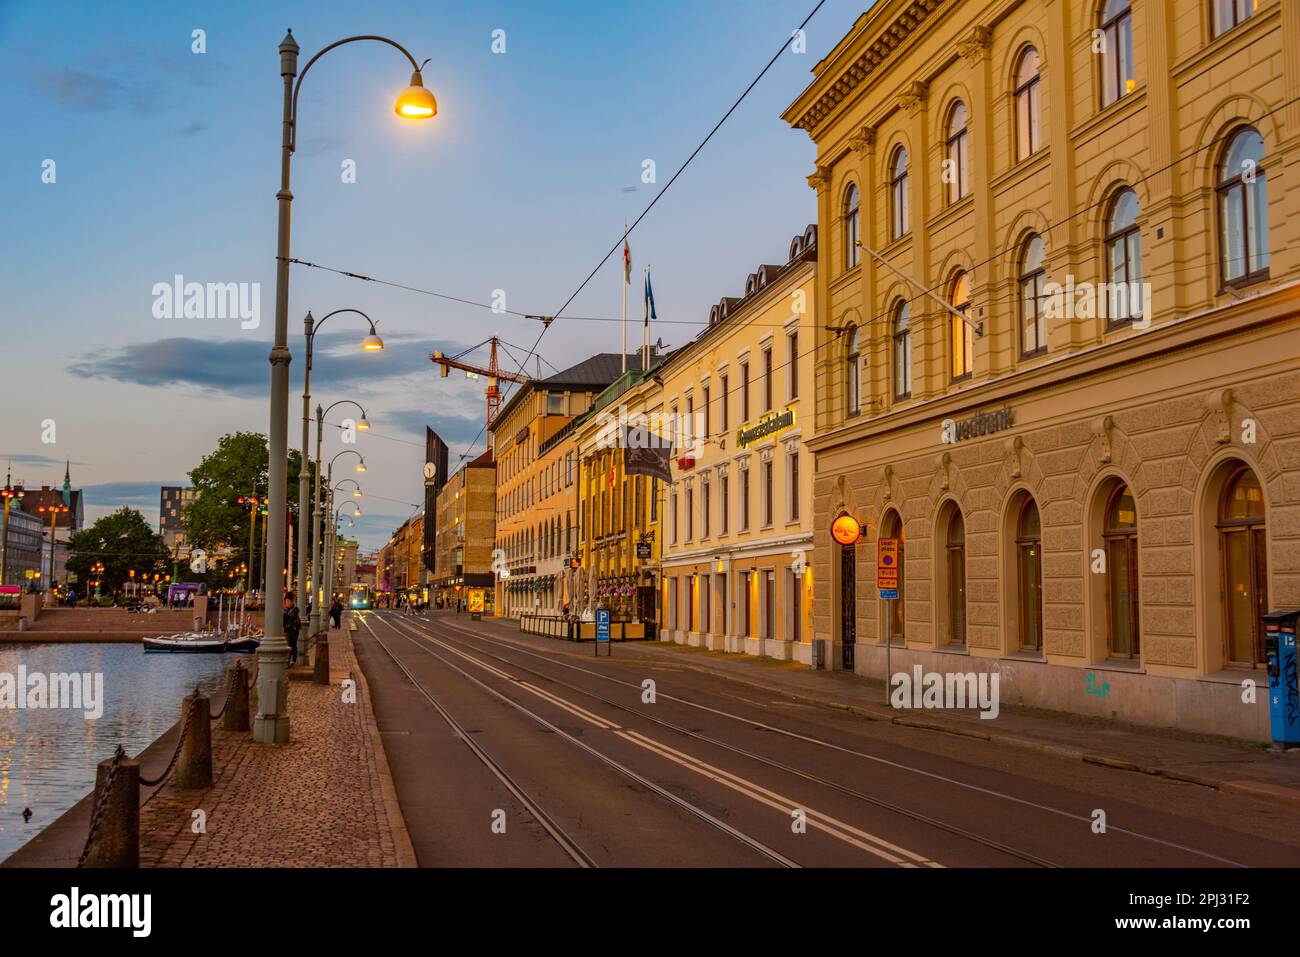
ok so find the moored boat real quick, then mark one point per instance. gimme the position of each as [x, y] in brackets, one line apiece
[192, 642]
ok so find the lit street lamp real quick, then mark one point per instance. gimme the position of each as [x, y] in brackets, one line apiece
[271, 725]
[363, 425]
[55, 511]
[371, 343]
[10, 492]
[333, 538]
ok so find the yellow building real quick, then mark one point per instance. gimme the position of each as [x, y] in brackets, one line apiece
[537, 486]
[465, 509]
[618, 507]
[1057, 335]
[738, 527]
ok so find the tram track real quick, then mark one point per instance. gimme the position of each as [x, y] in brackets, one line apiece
[957, 830]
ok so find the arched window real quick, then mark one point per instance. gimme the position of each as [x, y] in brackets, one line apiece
[854, 372]
[1027, 96]
[1116, 54]
[1033, 278]
[956, 172]
[1119, 532]
[955, 575]
[1123, 260]
[1029, 576]
[1243, 209]
[895, 610]
[1229, 13]
[902, 350]
[1244, 557]
[962, 334]
[851, 227]
[898, 215]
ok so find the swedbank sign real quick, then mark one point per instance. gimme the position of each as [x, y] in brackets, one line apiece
[981, 423]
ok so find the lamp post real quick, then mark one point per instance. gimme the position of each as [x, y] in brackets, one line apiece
[371, 343]
[363, 424]
[55, 511]
[10, 492]
[271, 725]
[251, 502]
[333, 535]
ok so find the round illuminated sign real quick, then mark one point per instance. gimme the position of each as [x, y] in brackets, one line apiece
[846, 530]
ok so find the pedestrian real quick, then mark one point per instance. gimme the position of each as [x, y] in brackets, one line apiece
[336, 612]
[292, 626]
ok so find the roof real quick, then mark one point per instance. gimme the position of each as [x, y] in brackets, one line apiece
[593, 374]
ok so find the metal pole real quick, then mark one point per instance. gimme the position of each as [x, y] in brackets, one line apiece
[303, 463]
[316, 532]
[252, 555]
[54, 515]
[272, 723]
[4, 543]
[889, 645]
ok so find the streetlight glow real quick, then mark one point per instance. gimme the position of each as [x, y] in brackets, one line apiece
[372, 343]
[415, 102]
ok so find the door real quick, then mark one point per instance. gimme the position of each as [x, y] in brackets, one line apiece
[848, 606]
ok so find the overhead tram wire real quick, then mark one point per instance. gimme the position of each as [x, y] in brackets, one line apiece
[658, 196]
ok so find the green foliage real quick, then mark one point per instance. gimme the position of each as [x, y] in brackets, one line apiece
[122, 541]
[215, 518]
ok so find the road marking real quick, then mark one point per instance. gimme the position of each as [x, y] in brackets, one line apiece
[824, 822]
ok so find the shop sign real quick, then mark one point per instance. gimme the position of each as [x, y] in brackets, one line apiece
[981, 423]
[770, 424]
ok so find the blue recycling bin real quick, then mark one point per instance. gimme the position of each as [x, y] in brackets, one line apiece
[1283, 688]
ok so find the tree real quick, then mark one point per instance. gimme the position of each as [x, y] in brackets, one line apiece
[123, 542]
[215, 519]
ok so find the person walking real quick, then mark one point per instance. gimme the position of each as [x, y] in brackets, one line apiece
[292, 626]
[336, 613]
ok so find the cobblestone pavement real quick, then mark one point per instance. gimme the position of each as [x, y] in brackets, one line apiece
[324, 800]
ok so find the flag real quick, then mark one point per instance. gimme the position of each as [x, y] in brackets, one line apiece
[627, 260]
[649, 301]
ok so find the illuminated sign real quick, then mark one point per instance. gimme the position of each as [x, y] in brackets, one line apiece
[770, 424]
[981, 423]
[846, 530]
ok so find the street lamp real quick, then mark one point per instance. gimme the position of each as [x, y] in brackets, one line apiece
[363, 425]
[10, 492]
[251, 503]
[371, 343]
[54, 510]
[333, 538]
[271, 725]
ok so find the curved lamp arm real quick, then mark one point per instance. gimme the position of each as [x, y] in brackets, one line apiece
[297, 87]
[362, 463]
[321, 413]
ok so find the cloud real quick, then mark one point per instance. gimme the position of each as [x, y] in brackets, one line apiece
[455, 429]
[141, 495]
[191, 128]
[239, 367]
[85, 92]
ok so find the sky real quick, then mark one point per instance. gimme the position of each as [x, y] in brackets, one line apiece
[130, 159]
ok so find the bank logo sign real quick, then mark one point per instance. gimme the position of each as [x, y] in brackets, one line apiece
[770, 424]
[981, 423]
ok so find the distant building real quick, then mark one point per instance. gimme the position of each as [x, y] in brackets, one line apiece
[171, 513]
[23, 548]
[466, 518]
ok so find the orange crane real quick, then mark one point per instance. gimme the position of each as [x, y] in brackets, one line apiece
[493, 372]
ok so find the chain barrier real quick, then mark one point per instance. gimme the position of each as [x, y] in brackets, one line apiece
[230, 689]
[97, 814]
[180, 741]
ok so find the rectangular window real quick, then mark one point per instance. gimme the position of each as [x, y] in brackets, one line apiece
[794, 486]
[654, 499]
[794, 365]
[555, 403]
[722, 505]
[796, 606]
[767, 380]
[744, 392]
[672, 519]
[722, 401]
[704, 509]
[767, 494]
[690, 513]
[744, 500]
[705, 436]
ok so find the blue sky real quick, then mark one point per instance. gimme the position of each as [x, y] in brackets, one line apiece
[167, 163]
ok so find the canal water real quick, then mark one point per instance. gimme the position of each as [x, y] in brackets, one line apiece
[48, 756]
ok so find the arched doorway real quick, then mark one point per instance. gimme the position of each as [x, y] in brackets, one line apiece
[895, 609]
[1029, 575]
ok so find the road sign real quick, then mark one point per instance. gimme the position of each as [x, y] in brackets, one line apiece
[602, 630]
[888, 594]
[887, 563]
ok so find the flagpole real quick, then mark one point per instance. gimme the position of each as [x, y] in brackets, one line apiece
[645, 332]
[626, 277]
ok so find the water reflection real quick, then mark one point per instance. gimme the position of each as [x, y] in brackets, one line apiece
[48, 757]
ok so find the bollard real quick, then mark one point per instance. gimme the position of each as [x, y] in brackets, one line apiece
[235, 716]
[116, 841]
[194, 765]
[322, 674]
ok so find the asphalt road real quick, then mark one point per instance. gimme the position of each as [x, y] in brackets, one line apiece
[513, 751]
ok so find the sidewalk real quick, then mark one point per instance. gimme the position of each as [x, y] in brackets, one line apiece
[324, 800]
[1226, 764]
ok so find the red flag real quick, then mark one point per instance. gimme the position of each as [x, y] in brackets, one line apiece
[627, 259]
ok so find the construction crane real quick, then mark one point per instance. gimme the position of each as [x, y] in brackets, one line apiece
[493, 372]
